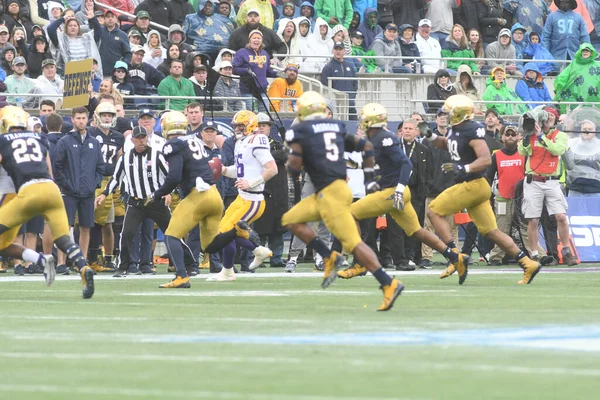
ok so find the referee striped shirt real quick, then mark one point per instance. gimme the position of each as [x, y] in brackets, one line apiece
[142, 173]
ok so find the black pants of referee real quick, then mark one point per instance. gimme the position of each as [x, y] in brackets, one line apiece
[134, 216]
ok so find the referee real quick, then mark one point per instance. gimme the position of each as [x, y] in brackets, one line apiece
[142, 169]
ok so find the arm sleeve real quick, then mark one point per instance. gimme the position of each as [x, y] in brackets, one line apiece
[524, 150]
[584, 37]
[492, 169]
[523, 92]
[559, 146]
[347, 14]
[52, 30]
[547, 32]
[163, 168]
[35, 14]
[174, 176]
[117, 177]
[95, 25]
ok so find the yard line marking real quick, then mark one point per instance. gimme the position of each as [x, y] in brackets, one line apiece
[186, 394]
[154, 318]
[268, 293]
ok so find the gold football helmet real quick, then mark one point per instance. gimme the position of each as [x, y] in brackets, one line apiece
[459, 108]
[373, 115]
[248, 122]
[13, 117]
[173, 123]
[311, 105]
[105, 108]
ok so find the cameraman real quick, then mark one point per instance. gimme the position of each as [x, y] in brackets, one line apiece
[543, 147]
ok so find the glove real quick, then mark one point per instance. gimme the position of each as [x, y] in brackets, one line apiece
[371, 184]
[453, 167]
[351, 164]
[251, 73]
[201, 186]
[398, 197]
[425, 130]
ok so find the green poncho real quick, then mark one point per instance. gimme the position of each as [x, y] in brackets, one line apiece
[369, 63]
[498, 91]
[580, 81]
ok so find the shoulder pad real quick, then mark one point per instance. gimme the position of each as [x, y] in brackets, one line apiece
[172, 146]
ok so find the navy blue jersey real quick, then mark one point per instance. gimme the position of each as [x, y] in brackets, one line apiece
[459, 139]
[187, 159]
[394, 165]
[109, 146]
[322, 142]
[24, 156]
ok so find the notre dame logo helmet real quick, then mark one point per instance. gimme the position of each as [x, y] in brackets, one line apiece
[311, 105]
[373, 115]
[173, 123]
[459, 108]
[13, 117]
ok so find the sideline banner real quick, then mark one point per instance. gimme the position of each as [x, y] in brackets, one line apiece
[78, 76]
[584, 224]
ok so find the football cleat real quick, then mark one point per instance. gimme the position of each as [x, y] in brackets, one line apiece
[462, 267]
[134, 269]
[261, 253]
[290, 266]
[20, 270]
[87, 282]
[390, 294]
[205, 264]
[49, 264]
[110, 266]
[62, 270]
[530, 270]
[226, 274]
[147, 270]
[120, 273]
[100, 268]
[177, 283]
[3, 267]
[331, 267]
[450, 269]
[355, 270]
[171, 268]
[243, 230]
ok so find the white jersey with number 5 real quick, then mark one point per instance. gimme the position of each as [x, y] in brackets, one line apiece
[251, 153]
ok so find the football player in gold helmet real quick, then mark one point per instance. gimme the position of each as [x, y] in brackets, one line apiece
[470, 158]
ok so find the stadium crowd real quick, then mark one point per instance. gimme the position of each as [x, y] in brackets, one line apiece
[226, 50]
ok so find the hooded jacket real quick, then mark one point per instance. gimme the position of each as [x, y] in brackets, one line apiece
[410, 48]
[580, 80]
[519, 47]
[265, 9]
[346, 41]
[317, 45]
[470, 90]
[535, 51]
[361, 5]
[220, 58]
[278, 21]
[582, 162]
[216, 30]
[293, 47]
[560, 41]
[532, 90]
[125, 88]
[383, 47]
[34, 59]
[6, 67]
[302, 40]
[435, 91]
[496, 50]
[369, 31]
[451, 50]
[184, 48]
[341, 9]
[499, 91]
[488, 13]
[313, 17]
[148, 58]
[144, 78]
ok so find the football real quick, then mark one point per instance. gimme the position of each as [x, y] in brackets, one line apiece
[216, 167]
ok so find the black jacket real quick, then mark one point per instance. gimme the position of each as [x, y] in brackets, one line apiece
[161, 11]
[180, 9]
[436, 92]
[273, 43]
[419, 156]
[437, 181]
[488, 12]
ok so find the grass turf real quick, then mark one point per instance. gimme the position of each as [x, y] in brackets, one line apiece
[282, 337]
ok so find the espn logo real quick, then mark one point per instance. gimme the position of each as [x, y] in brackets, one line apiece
[511, 163]
[585, 230]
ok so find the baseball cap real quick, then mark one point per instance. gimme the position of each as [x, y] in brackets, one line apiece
[208, 125]
[3, 28]
[48, 61]
[144, 112]
[424, 22]
[201, 67]
[120, 64]
[252, 10]
[32, 122]
[109, 11]
[357, 34]
[338, 45]
[225, 64]
[441, 112]
[135, 32]
[99, 13]
[136, 47]
[142, 14]
[19, 60]
[391, 26]
[139, 131]
[504, 32]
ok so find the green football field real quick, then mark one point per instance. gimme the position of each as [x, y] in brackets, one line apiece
[277, 336]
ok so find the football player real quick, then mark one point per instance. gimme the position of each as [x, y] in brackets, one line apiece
[111, 145]
[394, 197]
[318, 145]
[470, 158]
[24, 156]
[254, 165]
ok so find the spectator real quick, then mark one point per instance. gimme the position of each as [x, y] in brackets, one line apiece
[307, 10]
[172, 54]
[228, 87]
[226, 9]
[428, 47]
[579, 81]
[4, 37]
[159, 11]
[502, 48]
[288, 87]
[476, 44]
[368, 64]
[491, 20]
[335, 12]
[582, 161]
[73, 45]
[19, 83]
[79, 167]
[340, 34]
[177, 36]
[464, 85]
[253, 65]
[262, 7]
[338, 67]
[288, 11]
[19, 40]
[13, 17]
[120, 79]
[304, 33]
[38, 53]
[439, 90]
[176, 85]
[288, 34]
[470, 11]
[535, 51]
[492, 130]
[108, 89]
[114, 43]
[387, 45]
[155, 53]
[54, 10]
[532, 87]
[224, 55]
[8, 55]
[497, 90]
[136, 37]
[48, 83]
[355, 23]
[142, 24]
[440, 15]
[519, 41]
[564, 31]
[408, 46]
[529, 13]
[319, 44]
[369, 27]
[457, 46]
[96, 78]
[180, 9]
[202, 89]
[144, 78]
[239, 38]
[543, 169]
[215, 28]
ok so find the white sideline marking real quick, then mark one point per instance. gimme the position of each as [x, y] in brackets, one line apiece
[153, 318]
[169, 394]
[269, 293]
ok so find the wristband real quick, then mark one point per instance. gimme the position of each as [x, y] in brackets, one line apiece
[467, 168]
[400, 188]
[258, 181]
